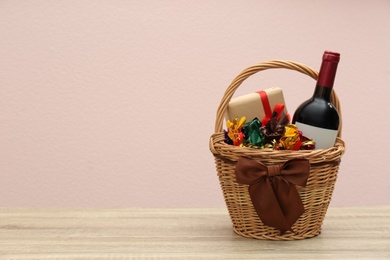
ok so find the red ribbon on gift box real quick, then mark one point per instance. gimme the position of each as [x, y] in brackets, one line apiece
[267, 108]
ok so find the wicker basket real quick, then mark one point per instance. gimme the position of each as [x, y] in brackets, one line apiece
[316, 196]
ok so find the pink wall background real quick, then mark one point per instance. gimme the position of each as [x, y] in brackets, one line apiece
[111, 103]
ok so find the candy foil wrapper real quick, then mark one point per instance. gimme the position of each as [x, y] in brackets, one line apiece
[294, 140]
[253, 135]
[307, 144]
[234, 130]
[291, 139]
[227, 138]
[274, 129]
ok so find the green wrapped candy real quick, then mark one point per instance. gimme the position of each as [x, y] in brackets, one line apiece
[252, 132]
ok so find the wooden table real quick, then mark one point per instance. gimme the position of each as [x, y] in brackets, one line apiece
[348, 233]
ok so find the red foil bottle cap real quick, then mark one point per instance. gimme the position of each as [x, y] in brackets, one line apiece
[331, 56]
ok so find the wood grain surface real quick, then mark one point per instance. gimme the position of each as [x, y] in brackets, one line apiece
[347, 233]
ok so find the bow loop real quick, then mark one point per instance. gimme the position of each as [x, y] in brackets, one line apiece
[272, 189]
[297, 171]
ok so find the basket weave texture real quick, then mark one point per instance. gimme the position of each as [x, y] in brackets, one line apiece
[316, 196]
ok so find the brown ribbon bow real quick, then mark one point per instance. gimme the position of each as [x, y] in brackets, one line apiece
[272, 190]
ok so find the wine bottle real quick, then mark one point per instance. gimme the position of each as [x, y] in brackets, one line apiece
[317, 117]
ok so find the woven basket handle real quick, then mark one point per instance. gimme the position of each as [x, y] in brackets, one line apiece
[273, 64]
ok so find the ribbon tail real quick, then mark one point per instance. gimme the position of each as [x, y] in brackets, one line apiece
[267, 206]
[289, 200]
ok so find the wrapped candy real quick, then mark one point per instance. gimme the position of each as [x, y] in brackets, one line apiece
[253, 135]
[291, 139]
[227, 138]
[274, 129]
[307, 144]
[234, 130]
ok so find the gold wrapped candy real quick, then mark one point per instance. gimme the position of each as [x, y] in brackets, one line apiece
[307, 144]
[234, 130]
[291, 138]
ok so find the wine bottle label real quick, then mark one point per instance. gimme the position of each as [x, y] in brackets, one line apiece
[324, 138]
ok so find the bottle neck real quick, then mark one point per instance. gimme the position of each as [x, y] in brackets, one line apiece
[322, 93]
[326, 75]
